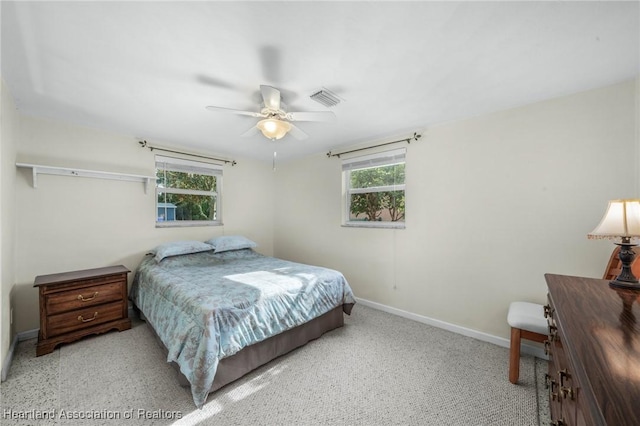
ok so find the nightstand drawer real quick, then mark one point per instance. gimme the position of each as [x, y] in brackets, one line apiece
[83, 297]
[83, 318]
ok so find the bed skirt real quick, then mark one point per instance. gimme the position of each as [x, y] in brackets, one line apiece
[258, 354]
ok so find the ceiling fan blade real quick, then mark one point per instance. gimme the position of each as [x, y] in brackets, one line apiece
[297, 133]
[251, 132]
[215, 82]
[311, 116]
[271, 97]
[236, 111]
[271, 60]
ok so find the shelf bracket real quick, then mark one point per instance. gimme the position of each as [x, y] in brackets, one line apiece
[34, 177]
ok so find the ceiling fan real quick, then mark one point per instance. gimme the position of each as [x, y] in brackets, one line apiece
[276, 120]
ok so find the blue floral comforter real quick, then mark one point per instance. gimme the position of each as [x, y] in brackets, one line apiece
[208, 306]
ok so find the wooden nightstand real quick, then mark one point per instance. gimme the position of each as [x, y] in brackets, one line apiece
[79, 303]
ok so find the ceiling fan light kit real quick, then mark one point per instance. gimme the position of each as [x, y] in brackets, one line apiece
[273, 128]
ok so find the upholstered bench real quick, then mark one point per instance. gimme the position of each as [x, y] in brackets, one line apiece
[527, 321]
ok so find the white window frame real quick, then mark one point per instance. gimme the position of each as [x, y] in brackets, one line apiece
[380, 159]
[190, 166]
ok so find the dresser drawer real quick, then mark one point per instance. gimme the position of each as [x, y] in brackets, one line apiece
[83, 318]
[83, 297]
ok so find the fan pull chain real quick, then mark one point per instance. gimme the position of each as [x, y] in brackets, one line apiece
[275, 154]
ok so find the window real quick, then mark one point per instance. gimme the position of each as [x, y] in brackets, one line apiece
[374, 190]
[187, 192]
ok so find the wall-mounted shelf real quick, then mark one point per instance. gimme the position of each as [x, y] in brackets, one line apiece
[67, 171]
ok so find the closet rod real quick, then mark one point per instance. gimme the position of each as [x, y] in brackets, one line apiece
[144, 144]
[415, 137]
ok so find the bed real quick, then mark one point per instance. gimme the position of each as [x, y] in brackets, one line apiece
[220, 314]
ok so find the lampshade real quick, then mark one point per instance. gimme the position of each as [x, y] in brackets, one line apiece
[622, 219]
[273, 128]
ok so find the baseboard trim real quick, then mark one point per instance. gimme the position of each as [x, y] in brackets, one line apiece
[25, 335]
[8, 359]
[525, 348]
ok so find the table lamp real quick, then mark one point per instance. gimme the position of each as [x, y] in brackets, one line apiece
[621, 222]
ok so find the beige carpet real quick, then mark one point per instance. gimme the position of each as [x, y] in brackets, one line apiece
[379, 369]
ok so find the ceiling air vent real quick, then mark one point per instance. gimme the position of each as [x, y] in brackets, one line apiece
[326, 98]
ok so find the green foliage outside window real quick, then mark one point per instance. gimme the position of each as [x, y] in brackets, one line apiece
[378, 205]
[188, 206]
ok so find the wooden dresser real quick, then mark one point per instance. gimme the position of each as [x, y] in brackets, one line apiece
[79, 303]
[594, 348]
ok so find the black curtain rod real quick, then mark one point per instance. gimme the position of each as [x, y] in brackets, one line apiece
[415, 137]
[144, 144]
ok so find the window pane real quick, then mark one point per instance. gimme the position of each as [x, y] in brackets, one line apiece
[377, 206]
[183, 180]
[377, 176]
[374, 189]
[178, 207]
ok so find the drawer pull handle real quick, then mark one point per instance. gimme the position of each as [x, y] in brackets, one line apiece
[566, 392]
[95, 315]
[563, 374]
[549, 383]
[81, 297]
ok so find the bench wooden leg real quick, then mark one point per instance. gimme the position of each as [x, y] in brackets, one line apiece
[514, 355]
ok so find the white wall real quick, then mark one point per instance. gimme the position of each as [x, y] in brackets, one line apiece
[71, 223]
[9, 123]
[493, 203]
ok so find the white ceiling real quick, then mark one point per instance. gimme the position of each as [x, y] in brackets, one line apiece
[148, 69]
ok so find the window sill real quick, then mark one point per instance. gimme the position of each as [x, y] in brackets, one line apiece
[184, 224]
[384, 225]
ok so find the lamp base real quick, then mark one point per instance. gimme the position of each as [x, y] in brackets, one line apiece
[626, 279]
[624, 284]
